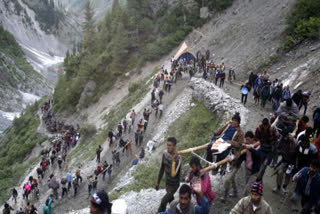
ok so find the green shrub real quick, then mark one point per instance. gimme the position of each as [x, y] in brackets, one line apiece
[303, 23]
[16, 145]
[87, 131]
[308, 29]
[289, 43]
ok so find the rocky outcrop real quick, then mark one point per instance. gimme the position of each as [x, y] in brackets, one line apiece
[217, 100]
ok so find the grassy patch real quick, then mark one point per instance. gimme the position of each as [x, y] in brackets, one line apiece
[191, 129]
[16, 145]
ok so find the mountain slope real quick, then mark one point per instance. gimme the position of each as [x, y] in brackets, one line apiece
[20, 84]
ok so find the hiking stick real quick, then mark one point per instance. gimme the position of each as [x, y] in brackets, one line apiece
[193, 149]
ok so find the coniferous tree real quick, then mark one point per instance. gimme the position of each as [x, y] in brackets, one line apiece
[88, 26]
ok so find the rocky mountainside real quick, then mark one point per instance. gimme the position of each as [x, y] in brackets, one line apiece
[20, 84]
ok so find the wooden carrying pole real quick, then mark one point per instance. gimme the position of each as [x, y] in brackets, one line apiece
[226, 160]
[193, 149]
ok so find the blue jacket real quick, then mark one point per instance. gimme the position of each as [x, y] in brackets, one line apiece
[203, 208]
[303, 175]
[69, 177]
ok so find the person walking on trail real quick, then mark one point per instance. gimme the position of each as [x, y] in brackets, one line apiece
[244, 93]
[161, 93]
[195, 178]
[104, 166]
[252, 160]
[99, 203]
[60, 161]
[94, 184]
[316, 121]
[266, 135]
[110, 136]
[27, 190]
[184, 205]
[132, 116]
[276, 98]
[142, 153]
[54, 185]
[75, 185]
[125, 125]
[297, 97]
[90, 182]
[69, 180]
[7, 209]
[140, 137]
[254, 203]
[153, 95]
[265, 94]
[287, 150]
[47, 208]
[308, 185]
[109, 170]
[40, 173]
[222, 78]
[286, 93]
[305, 100]
[171, 166]
[78, 175]
[14, 195]
[306, 151]
[98, 153]
[64, 187]
[161, 106]
[120, 128]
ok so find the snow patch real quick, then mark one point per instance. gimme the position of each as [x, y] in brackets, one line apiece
[10, 115]
[29, 98]
[39, 59]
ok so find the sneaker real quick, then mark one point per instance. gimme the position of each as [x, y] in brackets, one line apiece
[276, 190]
[284, 190]
[223, 199]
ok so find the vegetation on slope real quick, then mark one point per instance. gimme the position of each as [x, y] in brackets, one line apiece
[47, 14]
[14, 67]
[303, 23]
[191, 129]
[119, 44]
[16, 145]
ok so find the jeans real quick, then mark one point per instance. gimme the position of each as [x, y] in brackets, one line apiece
[275, 105]
[266, 158]
[244, 98]
[168, 197]
[64, 191]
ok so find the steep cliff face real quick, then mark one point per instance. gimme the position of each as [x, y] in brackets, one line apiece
[42, 50]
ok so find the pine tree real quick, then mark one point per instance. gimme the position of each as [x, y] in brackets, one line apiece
[88, 25]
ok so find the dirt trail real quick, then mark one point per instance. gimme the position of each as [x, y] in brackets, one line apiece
[279, 202]
[81, 200]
